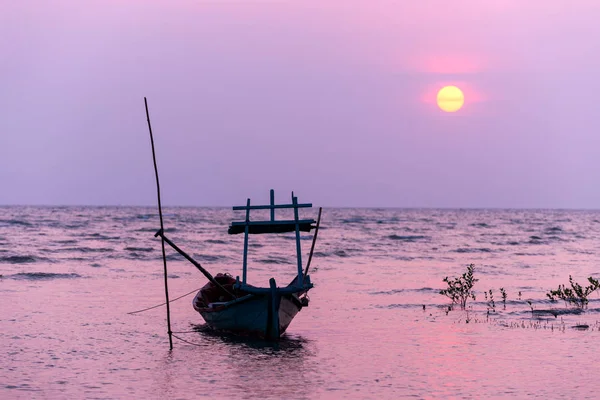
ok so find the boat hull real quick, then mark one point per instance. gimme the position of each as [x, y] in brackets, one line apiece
[265, 316]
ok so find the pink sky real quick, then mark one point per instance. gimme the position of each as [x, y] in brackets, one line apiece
[334, 100]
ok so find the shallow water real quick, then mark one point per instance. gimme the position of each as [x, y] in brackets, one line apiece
[376, 326]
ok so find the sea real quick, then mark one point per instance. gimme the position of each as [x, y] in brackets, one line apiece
[74, 282]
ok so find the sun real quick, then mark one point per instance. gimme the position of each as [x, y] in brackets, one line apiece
[450, 99]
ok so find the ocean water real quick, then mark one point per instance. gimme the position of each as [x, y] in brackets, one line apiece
[376, 326]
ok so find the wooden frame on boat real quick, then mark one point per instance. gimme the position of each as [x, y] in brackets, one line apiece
[232, 305]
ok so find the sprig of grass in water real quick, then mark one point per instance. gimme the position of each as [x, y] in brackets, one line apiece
[503, 292]
[460, 289]
[576, 294]
[491, 305]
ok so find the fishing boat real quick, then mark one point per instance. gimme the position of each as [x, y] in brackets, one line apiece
[232, 304]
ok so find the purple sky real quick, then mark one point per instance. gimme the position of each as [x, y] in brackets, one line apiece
[334, 100]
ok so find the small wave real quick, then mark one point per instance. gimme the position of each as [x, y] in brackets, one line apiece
[393, 306]
[556, 311]
[100, 236]
[537, 241]
[208, 257]
[216, 241]
[133, 256]
[94, 235]
[425, 289]
[446, 225]
[157, 274]
[15, 222]
[34, 276]
[408, 238]
[390, 221]
[341, 253]
[408, 258]
[557, 238]
[142, 249]
[578, 251]
[76, 259]
[554, 229]
[353, 220]
[474, 250]
[396, 291]
[173, 257]
[77, 226]
[393, 291]
[480, 225]
[304, 237]
[68, 241]
[89, 249]
[274, 260]
[18, 259]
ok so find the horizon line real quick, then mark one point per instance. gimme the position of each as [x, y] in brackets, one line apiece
[330, 207]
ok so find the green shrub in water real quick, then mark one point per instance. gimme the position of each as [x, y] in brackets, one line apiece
[576, 294]
[460, 289]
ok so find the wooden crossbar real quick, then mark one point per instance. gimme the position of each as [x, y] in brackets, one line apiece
[272, 207]
[254, 227]
[277, 222]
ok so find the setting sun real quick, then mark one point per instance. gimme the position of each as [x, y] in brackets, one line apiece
[450, 99]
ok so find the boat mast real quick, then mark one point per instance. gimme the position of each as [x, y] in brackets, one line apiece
[300, 280]
[272, 225]
[245, 263]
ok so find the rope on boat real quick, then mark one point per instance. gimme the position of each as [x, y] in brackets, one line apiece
[150, 308]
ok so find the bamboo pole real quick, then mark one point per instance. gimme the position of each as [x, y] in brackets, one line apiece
[161, 228]
[196, 263]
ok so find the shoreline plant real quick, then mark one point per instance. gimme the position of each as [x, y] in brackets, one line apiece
[576, 294]
[491, 304]
[503, 293]
[461, 289]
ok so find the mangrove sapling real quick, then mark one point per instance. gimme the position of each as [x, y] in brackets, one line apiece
[460, 289]
[530, 306]
[503, 292]
[576, 294]
[491, 305]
